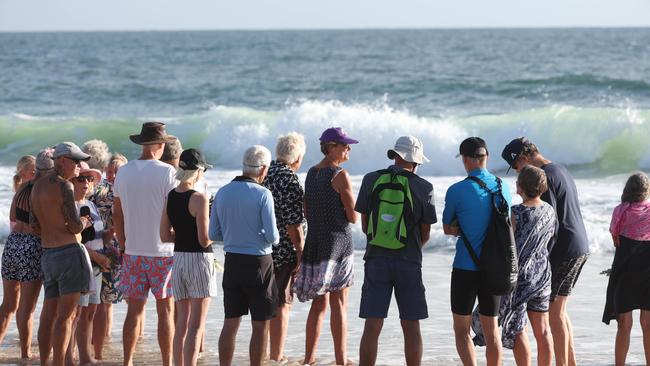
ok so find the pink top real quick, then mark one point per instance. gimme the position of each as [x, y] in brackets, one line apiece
[631, 220]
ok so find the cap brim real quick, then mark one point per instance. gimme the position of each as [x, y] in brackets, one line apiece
[347, 140]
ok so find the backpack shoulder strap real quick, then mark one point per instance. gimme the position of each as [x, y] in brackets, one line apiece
[470, 249]
[482, 184]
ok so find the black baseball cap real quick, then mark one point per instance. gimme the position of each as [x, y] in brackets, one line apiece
[473, 147]
[512, 151]
[192, 159]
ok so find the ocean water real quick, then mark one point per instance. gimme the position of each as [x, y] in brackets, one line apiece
[582, 95]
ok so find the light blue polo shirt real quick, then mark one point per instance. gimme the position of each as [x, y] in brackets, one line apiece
[243, 217]
[471, 205]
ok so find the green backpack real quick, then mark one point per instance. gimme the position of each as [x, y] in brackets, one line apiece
[391, 210]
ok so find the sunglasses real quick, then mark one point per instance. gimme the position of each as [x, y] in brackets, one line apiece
[76, 161]
[85, 178]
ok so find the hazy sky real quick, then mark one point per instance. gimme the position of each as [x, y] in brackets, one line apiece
[18, 15]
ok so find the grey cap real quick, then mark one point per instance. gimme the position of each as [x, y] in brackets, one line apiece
[44, 159]
[410, 149]
[69, 150]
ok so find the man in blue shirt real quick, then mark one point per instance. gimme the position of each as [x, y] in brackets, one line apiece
[243, 217]
[468, 207]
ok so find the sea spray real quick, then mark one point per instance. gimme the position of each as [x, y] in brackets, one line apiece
[603, 140]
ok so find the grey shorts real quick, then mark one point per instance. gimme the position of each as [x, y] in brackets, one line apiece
[564, 276]
[93, 295]
[65, 270]
[194, 276]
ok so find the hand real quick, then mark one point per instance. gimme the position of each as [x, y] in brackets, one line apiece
[85, 222]
[454, 230]
[296, 269]
[103, 262]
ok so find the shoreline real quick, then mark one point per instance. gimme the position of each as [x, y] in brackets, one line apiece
[594, 340]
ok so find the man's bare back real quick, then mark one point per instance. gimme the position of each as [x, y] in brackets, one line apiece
[55, 212]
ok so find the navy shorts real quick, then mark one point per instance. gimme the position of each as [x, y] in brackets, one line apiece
[382, 275]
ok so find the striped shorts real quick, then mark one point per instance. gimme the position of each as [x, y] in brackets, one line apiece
[194, 276]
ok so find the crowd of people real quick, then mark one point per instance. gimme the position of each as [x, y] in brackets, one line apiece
[150, 224]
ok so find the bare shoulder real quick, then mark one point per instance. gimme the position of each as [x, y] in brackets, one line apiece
[198, 197]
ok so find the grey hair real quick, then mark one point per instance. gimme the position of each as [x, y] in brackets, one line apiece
[290, 147]
[186, 175]
[255, 158]
[637, 188]
[99, 154]
[173, 150]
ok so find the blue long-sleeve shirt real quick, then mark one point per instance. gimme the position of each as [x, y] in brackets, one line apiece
[243, 218]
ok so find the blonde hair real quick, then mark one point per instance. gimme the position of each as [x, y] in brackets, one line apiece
[117, 159]
[186, 175]
[290, 147]
[22, 164]
[99, 154]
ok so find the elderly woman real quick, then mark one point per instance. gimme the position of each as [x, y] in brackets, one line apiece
[184, 221]
[326, 268]
[629, 281]
[288, 194]
[93, 237]
[102, 197]
[22, 276]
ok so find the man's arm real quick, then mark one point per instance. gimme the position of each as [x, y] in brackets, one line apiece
[73, 222]
[271, 234]
[214, 230]
[118, 223]
[33, 222]
[425, 233]
[450, 230]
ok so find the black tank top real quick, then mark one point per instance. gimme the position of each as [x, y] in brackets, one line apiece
[184, 224]
[23, 205]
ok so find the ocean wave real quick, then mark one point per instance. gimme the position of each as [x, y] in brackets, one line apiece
[605, 140]
[587, 80]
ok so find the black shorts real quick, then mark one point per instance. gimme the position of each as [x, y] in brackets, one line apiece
[284, 279]
[466, 286]
[564, 275]
[249, 284]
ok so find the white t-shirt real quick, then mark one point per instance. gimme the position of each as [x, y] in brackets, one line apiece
[142, 187]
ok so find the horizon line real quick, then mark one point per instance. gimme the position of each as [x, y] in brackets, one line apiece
[298, 29]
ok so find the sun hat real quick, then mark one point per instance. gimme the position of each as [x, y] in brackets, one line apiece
[84, 169]
[69, 150]
[152, 133]
[336, 134]
[410, 149]
[512, 151]
[473, 147]
[192, 159]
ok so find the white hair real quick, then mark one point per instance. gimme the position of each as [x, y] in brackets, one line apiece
[290, 147]
[255, 158]
[99, 154]
[186, 175]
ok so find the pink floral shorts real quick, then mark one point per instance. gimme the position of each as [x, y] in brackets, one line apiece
[139, 274]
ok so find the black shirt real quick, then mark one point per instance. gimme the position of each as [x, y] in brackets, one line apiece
[570, 240]
[184, 224]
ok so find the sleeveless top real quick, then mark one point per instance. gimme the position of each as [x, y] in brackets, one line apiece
[328, 228]
[23, 205]
[184, 224]
[327, 258]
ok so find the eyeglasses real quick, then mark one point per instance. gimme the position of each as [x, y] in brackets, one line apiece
[85, 178]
